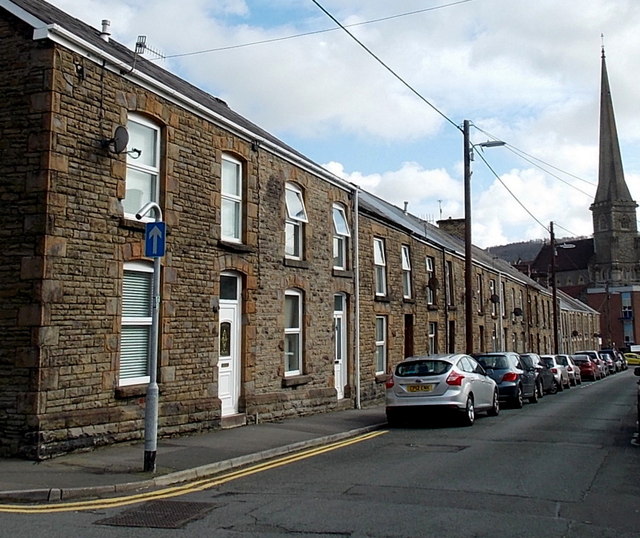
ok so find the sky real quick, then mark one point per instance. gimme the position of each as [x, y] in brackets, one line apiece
[382, 103]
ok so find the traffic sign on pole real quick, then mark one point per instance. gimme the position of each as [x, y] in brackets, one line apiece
[154, 239]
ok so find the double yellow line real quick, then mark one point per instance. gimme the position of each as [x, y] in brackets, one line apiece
[199, 485]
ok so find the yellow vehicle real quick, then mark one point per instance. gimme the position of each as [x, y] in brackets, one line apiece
[633, 359]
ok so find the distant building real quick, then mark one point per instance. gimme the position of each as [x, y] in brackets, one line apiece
[603, 271]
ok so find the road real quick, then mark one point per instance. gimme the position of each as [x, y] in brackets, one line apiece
[562, 467]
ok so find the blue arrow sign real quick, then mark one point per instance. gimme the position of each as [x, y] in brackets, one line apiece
[154, 239]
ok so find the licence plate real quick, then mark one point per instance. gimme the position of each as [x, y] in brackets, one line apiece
[419, 388]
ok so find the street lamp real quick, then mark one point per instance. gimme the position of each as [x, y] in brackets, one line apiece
[468, 256]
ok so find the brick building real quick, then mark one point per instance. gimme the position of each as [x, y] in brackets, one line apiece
[283, 289]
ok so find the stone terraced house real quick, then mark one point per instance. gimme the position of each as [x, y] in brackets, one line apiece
[284, 290]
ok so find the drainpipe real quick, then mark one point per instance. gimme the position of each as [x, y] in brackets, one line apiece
[356, 269]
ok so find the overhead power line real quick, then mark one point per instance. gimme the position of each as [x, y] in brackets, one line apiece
[315, 32]
[383, 64]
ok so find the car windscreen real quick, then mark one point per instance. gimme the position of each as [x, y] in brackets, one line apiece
[422, 368]
[493, 362]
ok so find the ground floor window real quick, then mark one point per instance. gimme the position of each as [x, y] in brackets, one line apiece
[135, 331]
[293, 333]
[381, 344]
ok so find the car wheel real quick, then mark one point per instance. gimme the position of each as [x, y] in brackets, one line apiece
[534, 397]
[518, 400]
[554, 387]
[560, 386]
[393, 417]
[540, 389]
[495, 406]
[469, 414]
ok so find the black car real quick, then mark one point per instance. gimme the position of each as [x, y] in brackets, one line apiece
[515, 382]
[544, 376]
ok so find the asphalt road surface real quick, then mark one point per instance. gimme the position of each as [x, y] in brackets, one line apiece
[563, 467]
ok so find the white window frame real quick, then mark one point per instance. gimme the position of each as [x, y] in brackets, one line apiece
[142, 165]
[381, 344]
[406, 272]
[380, 266]
[139, 363]
[341, 233]
[294, 224]
[432, 337]
[231, 202]
[492, 293]
[431, 295]
[293, 334]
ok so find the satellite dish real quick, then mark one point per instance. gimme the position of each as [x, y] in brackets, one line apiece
[119, 142]
[120, 139]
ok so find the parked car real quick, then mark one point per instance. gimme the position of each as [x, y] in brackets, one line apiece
[515, 382]
[573, 371]
[428, 383]
[589, 369]
[595, 356]
[544, 376]
[633, 359]
[559, 371]
[616, 358]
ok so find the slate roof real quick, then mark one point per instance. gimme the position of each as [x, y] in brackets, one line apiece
[567, 259]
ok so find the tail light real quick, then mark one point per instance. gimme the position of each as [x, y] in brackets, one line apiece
[554, 370]
[510, 376]
[389, 382]
[455, 379]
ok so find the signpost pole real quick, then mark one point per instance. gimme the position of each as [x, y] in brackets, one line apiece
[154, 247]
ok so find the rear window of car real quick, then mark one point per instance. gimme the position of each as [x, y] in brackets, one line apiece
[548, 361]
[422, 368]
[581, 359]
[495, 362]
[563, 360]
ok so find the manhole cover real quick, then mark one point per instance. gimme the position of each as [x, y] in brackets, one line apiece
[159, 515]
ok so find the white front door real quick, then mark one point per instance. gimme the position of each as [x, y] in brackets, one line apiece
[229, 345]
[340, 339]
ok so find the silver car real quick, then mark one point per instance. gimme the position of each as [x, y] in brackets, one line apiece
[559, 371]
[440, 382]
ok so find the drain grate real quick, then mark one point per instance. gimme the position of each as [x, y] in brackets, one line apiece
[159, 515]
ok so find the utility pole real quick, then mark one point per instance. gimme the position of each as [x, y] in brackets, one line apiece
[468, 261]
[554, 290]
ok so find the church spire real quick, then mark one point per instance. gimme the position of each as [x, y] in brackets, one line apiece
[612, 187]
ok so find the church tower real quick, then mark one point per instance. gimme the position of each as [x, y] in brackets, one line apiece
[615, 233]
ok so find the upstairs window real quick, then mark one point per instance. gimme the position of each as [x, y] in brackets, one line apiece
[231, 201]
[143, 169]
[450, 283]
[340, 234]
[406, 272]
[431, 280]
[294, 225]
[380, 264]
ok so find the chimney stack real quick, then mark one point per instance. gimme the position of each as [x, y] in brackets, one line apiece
[105, 34]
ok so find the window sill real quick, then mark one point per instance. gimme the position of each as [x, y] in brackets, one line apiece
[131, 391]
[299, 264]
[408, 300]
[235, 247]
[132, 224]
[452, 308]
[382, 378]
[382, 299]
[296, 380]
[343, 273]
[432, 307]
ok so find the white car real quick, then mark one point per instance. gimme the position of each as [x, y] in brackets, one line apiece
[572, 369]
[429, 383]
[559, 371]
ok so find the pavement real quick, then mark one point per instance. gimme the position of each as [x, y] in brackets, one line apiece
[118, 469]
